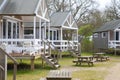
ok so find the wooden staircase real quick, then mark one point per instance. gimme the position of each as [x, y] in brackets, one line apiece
[51, 61]
[74, 51]
[3, 65]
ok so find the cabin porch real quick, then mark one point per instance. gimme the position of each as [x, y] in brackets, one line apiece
[63, 38]
[17, 37]
[114, 38]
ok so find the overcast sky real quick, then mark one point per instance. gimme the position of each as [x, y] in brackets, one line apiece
[103, 3]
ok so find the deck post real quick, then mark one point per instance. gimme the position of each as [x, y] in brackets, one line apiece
[45, 29]
[15, 71]
[77, 38]
[34, 27]
[49, 31]
[40, 34]
[61, 38]
[32, 64]
[42, 63]
[115, 42]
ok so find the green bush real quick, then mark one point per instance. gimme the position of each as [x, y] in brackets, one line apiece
[86, 45]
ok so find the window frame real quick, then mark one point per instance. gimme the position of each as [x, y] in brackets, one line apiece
[104, 34]
[96, 35]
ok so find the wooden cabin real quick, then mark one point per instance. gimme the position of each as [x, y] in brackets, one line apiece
[63, 30]
[107, 36]
[23, 25]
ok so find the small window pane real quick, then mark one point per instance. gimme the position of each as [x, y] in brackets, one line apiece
[95, 35]
[103, 34]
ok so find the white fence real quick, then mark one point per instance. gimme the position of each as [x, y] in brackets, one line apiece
[64, 44]
[114, 44]
[19, 45]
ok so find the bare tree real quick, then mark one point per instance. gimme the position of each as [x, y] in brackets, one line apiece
[79, 8]
[112, 11]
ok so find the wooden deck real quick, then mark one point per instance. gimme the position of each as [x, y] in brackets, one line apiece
[26, 56]
[59, 75]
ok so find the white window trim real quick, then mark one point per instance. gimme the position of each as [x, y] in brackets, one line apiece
[95, 35]
[103, 35]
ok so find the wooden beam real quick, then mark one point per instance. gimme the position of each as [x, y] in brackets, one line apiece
[15, 71]
[32, 64]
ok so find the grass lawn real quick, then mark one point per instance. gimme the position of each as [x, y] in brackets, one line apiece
[97, 72]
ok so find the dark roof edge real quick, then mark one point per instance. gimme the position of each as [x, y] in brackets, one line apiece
[18, 14]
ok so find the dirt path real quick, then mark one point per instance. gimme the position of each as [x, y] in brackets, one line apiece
[114, 73]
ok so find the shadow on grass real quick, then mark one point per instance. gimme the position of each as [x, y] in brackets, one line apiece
[83, 65]
[25, 66]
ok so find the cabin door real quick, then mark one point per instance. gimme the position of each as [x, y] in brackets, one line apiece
[53, 35]
[117, 35]
[12, 30]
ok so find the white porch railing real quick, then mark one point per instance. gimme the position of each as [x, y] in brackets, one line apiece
[32, 45]
[113, 44]
[19, 45]
[64, 44]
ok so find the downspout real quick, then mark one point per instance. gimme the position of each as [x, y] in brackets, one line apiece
[3, 4]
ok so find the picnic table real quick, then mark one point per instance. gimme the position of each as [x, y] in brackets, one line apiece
[100, 57]
[84, 59]
[59, 75]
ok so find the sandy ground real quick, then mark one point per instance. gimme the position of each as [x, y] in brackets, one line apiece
[114, 73]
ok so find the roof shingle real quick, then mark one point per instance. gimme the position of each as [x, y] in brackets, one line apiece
[108, 26]
[18, 7]
[58, 18]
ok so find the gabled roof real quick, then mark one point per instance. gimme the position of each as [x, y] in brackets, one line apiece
[1, 1]
[109, 26]
[20, 7]
[58, 18]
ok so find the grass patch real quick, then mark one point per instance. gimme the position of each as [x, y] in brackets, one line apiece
[28, 74]
[97, 72]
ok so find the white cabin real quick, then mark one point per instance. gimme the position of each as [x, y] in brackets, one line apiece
[14, 30]
[63, 29]
[24, 24]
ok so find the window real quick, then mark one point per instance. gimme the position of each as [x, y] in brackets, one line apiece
[28, 33]
[10, 29]
[95, 35]
[4, 28]
[103, 34]
[117, 35]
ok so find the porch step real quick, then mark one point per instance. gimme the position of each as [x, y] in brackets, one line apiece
[50, 61]
[74, 53]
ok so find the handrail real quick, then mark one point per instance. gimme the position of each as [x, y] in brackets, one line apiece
[53, 45]
[8, 56]
[15, 62]
[48, 43]
[71, 44]
[1, 68]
